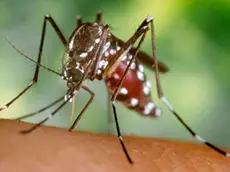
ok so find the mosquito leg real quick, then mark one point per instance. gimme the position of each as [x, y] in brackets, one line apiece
[19, 95]
[36, 72]
[127, 46]
[99, 18]
[85, 107]
[79, 21]
[119, 134]
[40, 110]
[114, 98]
[170, 107]
[69, 97]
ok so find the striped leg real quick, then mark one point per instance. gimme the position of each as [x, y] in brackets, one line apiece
[170, 107]
[69, 95]
[40, 110]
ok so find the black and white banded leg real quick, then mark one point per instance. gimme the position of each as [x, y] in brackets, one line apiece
[170, 107]
[119, 134]
[140, 33]
[69, 95]
[40, 110]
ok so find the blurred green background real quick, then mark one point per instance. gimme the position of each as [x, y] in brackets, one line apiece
[192, 37]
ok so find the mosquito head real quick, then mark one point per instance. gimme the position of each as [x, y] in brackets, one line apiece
[84, 41]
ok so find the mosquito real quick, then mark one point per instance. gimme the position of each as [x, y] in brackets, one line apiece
[93, 52]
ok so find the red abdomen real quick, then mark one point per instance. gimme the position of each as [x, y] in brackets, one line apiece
[135, 89]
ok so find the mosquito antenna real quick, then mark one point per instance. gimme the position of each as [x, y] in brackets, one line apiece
[24, 55]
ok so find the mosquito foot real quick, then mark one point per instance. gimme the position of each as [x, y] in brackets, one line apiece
[70, 129]
[25, 131]
[3, 107]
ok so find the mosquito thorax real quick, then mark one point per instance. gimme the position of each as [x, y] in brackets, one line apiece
[84, 41]
[82, 45]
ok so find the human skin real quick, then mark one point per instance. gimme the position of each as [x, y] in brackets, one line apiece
[50, 149]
